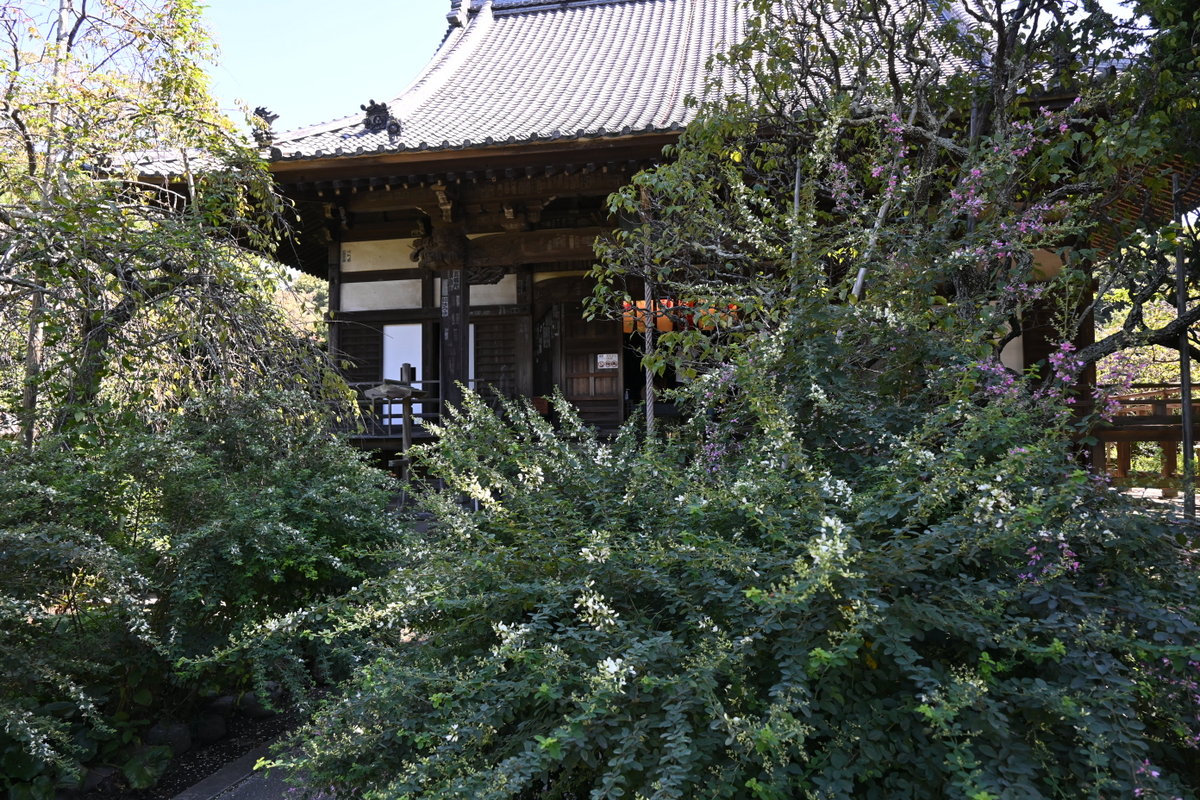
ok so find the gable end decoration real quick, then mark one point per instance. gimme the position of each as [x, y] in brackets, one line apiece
[379, 118]
[263, 120]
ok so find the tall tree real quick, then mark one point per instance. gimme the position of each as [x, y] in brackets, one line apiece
[126, 205]
[923, 154]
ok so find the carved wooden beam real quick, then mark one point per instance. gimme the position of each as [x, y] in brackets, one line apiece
[445, 200]
[517, 216]
[516, 192]
[533, 247]
[442, 248]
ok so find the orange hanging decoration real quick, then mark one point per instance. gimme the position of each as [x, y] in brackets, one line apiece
[707, 318]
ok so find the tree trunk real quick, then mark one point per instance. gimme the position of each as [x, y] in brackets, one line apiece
[84, 392]
[33, 370]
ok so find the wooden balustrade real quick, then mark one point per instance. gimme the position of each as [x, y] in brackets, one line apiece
[1146, 413]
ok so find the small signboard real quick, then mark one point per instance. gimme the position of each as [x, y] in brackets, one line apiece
[607, 361]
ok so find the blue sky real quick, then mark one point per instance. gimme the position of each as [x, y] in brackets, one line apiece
[314, 60]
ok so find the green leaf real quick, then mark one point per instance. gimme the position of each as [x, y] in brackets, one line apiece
[146, 766]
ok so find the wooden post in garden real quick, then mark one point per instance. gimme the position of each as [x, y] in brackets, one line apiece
[1124, 457]
[406, 377]
[648, 337]
[1185, 362]
[648, 344]
[1170, 467]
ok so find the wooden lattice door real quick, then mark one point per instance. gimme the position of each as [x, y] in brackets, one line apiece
[591, 367]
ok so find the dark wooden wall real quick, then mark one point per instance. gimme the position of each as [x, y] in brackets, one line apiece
[496, 355]
[362, 345]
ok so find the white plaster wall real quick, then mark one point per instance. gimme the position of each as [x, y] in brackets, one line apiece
[538, 277]
[1013, 354]
[381, 295]
[381, 254]
[1046, 264]
[495, 294]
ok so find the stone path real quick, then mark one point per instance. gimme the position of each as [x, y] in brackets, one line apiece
[1172, 507]
[239, 781]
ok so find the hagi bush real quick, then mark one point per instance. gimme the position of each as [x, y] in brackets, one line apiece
[124, 558]
[871, 564]
[938, 601]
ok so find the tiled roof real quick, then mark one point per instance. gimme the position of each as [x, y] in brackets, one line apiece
[529, 70]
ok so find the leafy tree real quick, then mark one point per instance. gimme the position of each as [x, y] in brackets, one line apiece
[159, 494]
[130, 291]
[925, 154]
[304, 299]
[121, 564]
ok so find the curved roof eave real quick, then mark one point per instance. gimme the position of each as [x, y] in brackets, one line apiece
[571, 70]
[467, 149]
[428, 159]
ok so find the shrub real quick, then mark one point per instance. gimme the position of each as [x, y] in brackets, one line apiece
[965, 613]
[123, 561]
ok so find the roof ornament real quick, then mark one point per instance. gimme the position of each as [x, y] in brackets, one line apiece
[263, 119]
[443, 247]
[379, 118]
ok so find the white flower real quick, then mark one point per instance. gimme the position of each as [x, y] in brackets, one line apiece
[829, 544]
[832, 525]
[595, 610]
[510, 634]
[532, 476]
[595, 555]
[614, 670]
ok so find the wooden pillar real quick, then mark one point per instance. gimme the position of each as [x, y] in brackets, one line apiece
[431, 366]
[456, 331]
[1099, 458]
[524, 333]
[335, 300]
[1170, 464]
[1124, 458]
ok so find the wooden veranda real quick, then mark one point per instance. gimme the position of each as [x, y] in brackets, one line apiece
[1149, 412]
